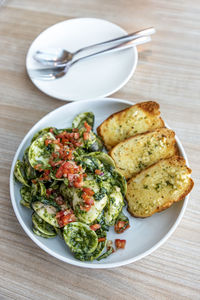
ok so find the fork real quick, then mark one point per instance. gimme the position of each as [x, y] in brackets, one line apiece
[60, 71]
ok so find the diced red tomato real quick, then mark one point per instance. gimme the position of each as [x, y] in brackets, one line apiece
[45, 175]
[87, 126]
[54, 155]
[86, 136]
[51, 130]
[59, 172]
[77, 184]
[102, 239]
[95, 227]
[57, 141]
[65, 141]
[65, 216]
[69, 155]
[61, 135]
[37, 167]
[47, 142]
[120, 244]
[121, 226]
[60, 214]
[68, 219]
[98, 172]
[49, 191]
[85, 207]
[88, 191]
[87, 199]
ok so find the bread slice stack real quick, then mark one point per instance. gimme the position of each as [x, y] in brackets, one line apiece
[146, 153]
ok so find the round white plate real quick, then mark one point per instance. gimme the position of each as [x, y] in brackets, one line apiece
[144, 235]
[94, 78]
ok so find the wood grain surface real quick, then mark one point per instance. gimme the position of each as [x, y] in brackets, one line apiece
[168, 72]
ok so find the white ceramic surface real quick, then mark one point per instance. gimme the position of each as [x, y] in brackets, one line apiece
[94, 78]
[144, 235]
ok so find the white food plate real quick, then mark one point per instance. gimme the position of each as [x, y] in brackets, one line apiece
[142, 238]
[94, 78]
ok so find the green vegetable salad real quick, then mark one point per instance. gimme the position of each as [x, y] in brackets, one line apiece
[73, 189]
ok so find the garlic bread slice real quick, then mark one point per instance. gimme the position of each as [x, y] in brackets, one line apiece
[143, 150]
[139, 118]
[158, 187]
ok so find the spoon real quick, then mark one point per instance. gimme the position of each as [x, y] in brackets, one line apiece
[61, 70]
[56, 57]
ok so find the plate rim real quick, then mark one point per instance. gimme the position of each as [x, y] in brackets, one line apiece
[135, 62]
[68, 260]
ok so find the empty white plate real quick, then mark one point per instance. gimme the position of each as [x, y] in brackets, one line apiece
[93, 78]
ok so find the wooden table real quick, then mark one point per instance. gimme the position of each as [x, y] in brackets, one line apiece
[168, 72]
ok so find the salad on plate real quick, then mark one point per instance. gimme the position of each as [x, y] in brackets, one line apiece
[73, 188]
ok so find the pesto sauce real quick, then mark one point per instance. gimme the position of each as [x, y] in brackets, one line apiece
[82, 241]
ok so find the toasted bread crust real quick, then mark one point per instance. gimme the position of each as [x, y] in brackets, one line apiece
[127, 154]
[148, 109]
[173, 161]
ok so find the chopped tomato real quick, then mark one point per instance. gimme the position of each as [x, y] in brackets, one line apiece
[95, 227]
[98, 172]
[37, 167]
[68, 219]
[54, 164]
[77, 185]
[87, 199]
[49, 191]
[57, 141]
[59, 214]
[61, 135]
[120, 244]
[47, 142]
[87, 127]
[65, 141]
[78, 144]
[88, 191]
[51, 130]
[102, 239]
[86, 136]
[59, 172]
[65, 216]
[54, 155]
[69, 155]
[85, 207]
[121, 226]
[45, 175]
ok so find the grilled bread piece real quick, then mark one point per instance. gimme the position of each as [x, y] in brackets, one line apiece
[139, 118]
[158, 187]
[143, 150]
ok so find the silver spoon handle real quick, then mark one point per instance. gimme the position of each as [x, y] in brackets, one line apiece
[124, 45]
[61, 70]
[126, 38]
